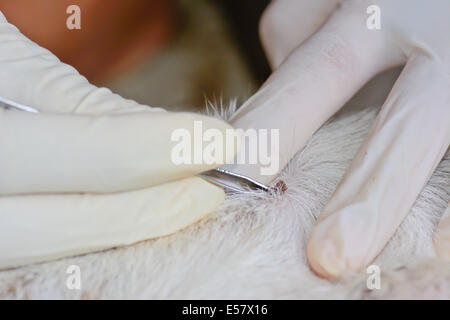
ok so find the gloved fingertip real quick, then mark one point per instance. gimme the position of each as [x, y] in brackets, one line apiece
[324, 257]
[342, 241]
[219, 134]
[442, 247]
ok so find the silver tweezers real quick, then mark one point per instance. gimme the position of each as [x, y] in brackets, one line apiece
[233, 181]
[229, 180]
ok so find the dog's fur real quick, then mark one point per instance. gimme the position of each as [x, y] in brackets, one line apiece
[254, 245]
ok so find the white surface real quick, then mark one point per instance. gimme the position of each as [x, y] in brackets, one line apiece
[254, 247]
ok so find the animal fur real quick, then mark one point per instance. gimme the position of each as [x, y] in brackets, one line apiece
[253, 246]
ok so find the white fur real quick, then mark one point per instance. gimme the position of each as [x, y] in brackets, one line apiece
[254, 245]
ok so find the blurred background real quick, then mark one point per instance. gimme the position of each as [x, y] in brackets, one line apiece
[165, 53]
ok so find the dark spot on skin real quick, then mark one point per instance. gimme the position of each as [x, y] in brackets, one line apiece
[400, 268]
[280, 185]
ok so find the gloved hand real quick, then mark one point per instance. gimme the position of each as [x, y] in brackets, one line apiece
[323, 54]
[92, 170]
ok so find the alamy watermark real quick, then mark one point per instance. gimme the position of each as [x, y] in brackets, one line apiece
[73, 281]
[73, 22]
[373, 22]
[374, 279]
[256, 147]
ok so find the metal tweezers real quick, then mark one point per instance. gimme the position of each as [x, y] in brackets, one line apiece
[229, 180]
[233, 181]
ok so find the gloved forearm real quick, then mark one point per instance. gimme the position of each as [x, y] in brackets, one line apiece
[336, 55]
[70, 174]
[37, 228]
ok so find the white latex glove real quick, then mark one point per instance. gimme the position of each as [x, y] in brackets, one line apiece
[323, 54]
[92, 170]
